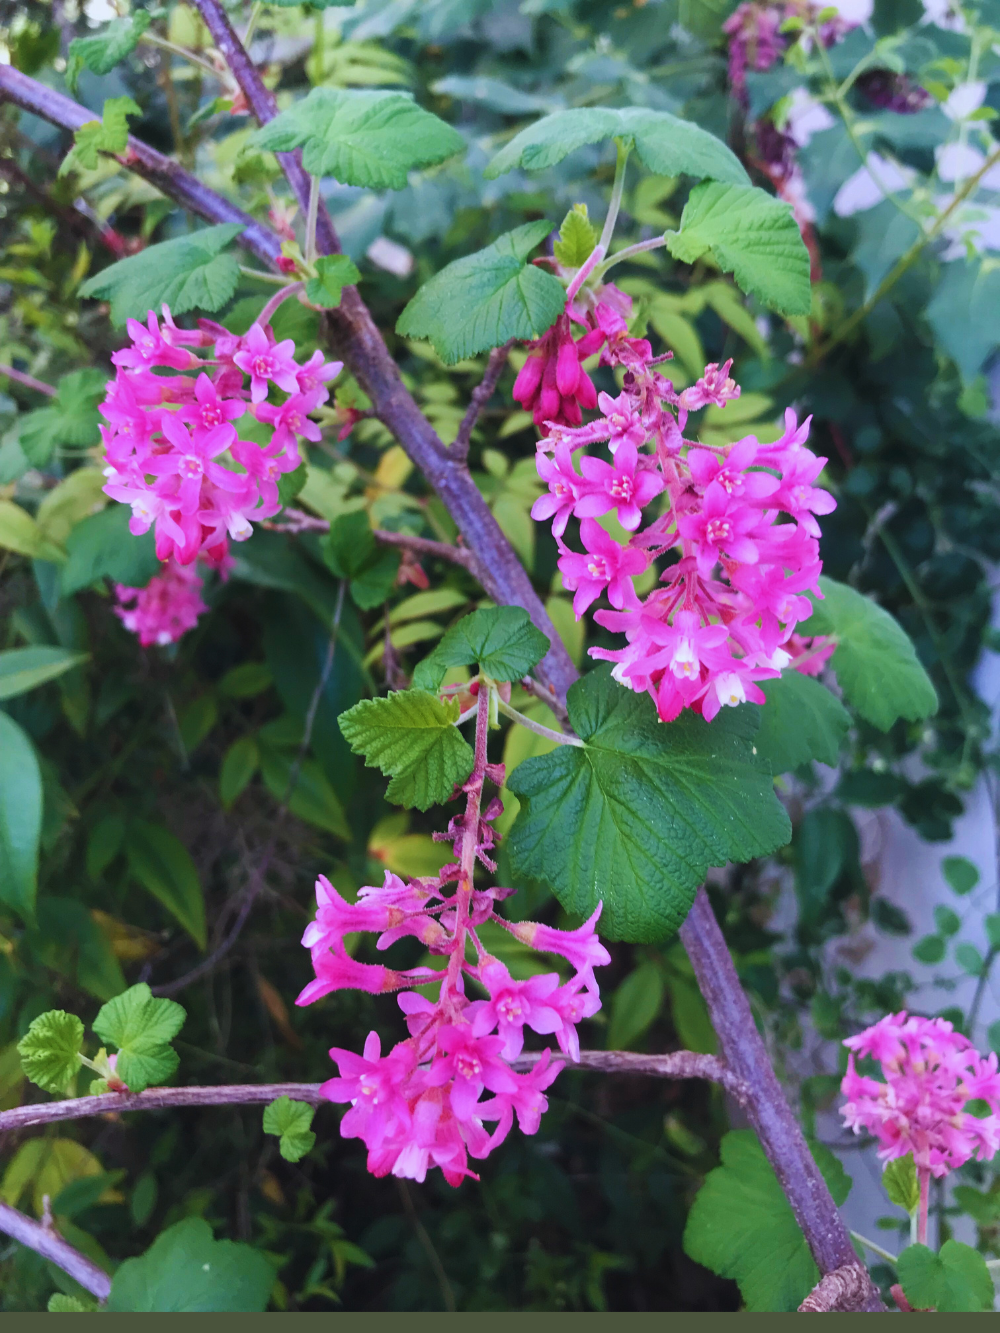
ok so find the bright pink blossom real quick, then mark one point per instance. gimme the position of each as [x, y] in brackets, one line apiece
[165, 609]
[266, 362]
[606, 565]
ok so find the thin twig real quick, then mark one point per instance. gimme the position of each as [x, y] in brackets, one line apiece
[422, 1235]
[458, 451]
[457, 555]
[50, 1245]
[28, 381]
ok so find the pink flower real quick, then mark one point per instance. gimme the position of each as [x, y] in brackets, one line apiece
[513, 1005]
[606, 565]
[209, 409]
[723, 526]
[797, 495]
[580, 947]
[468, 1064]
[150, 348]
[165, 609]
[565, 488]
[315, 373]
[335, 917]
[622, 485]
[374, 1087]
[715, 386]
[264, 361]
[336, 970]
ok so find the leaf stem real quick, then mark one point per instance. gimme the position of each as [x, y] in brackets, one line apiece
[629, 252]
[275, 279]
[28, 381]
[153, 39]
[616, 197]
[312, 213]
[276, 300]
[557, 737]
[252, 22]
[875, 1249]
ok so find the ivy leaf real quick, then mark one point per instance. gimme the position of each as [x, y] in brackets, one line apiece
[102, 547]
[187, 273]
[21, 804]
[142, 1028]
[333, 274]
[290, 1121]
[410, 735]
[741, 1225]
[501, 640]
[367, 138]
[955, 1280]
[486, 298]
[875, 662]
[23, 669]
[164, 868]
[107, 135]
[899, 1179]
[664, 144]
[50, 1050]
[102, 52]
[185, 1271]
[751, 235]
[800, 722]
[638, 814]
[577, 238]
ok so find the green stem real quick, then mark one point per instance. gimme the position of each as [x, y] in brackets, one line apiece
[558, 737]
[641, 247]
[616, 196]
[153, 39]
[875, 1249]
[273, 279]
[254, 19]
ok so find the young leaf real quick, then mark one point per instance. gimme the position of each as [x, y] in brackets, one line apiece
[102, 52]
[664, 144]
[801, 721]
[107, 135]
[21, 801]
[501, 640]
[899, 1180]
[333, 274]
[59, 1303]
[751, 235]
[290, 1121]
[142, 1028]
[486, 298]
[163, 867]
[410, 735]
[577, 237]
[50, 1050]
[637, 816]
[186, 1271]
[187, 273]
[875, 662]
[367, 138]
[102, 547]
[955, 1280]
[23, 669]
[741, 1225]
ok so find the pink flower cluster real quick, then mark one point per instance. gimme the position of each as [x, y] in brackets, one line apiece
[738, 523]
[552, 384]
[170, 603]
[931, 1072]
[422, 1104]
[173, 453]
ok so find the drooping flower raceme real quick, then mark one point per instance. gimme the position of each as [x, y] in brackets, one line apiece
[428, 1101]
[931, 1074]
[738, 523]
[173, 447]
[170, 604]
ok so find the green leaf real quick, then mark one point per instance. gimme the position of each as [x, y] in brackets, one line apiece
[947, 921]
[142, 1028]
[23, 669]
[312, 797]
[930, 949]
[351, 552]
[969, 959]
[826, 844]
[71, 419]
[486, 298]
[59, 1303]
[636, 816]
[665, 144]
[246, 680]
[185, 1271]
[501, 640]
[239, 764]
[801, 721]
[19, 532]
[899, 1180]
[290, 1121]
[875, 662]
[108, 135]
[50, 1050]
[634, 1006]
[955, 1280]
[368, 138]
[102, 547]
[751, 235]
[983, 1208]
[960, 873]
[411, 737]
[163, 867]
[741, 1225]
[187, 273]
[104, 844]
[69, 940]
[965, 313]
[21, 802]
[577, 238]
[102, 52]
[992, 924]
[334, 273]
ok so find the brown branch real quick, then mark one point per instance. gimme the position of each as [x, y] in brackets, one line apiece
[50, 1245]
[675, 1064]
[845, 1289]
[28, 381]
[457, 555]
[458, 451]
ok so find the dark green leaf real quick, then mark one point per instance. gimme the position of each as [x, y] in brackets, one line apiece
[104, 844]
[969, 959]
[992, 924]
[634, 1006]
[350, 546]
[930, 949]
[965, 313]
[311, 796]
[636, 816]
[21, 801]
[23, 669]
[955, 1280]
[982, 1208]
[290, 484]
[826, 844]
[801, 721]
[486, 298]
[290, 1121]
[501, 640]
[102, 547]
[946, 920]
[50, 1050]
[239, 764]
[164, 868]
[333, 274]
[142, 1028]
[185, 1271]
[246, 680]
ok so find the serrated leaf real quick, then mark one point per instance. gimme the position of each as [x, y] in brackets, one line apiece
[955, 1280]
[21, 805]
[185, 1270]
[187, 273]
[50, 1050]
[741, 1225]
[23, 669]
[102, 52]
[577, 238]
[751, 235]
[107, 135]
[367, 138]
[801, 721]
[164, 868]
[333, 274]
[875, 663]
[290, 1121]
[142, 1028]
[487, 298]
[71, 419]
[665, 144]
[501, 640]
[59, 1303]
[636, 816]
[899, 1180]
[411, 737]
